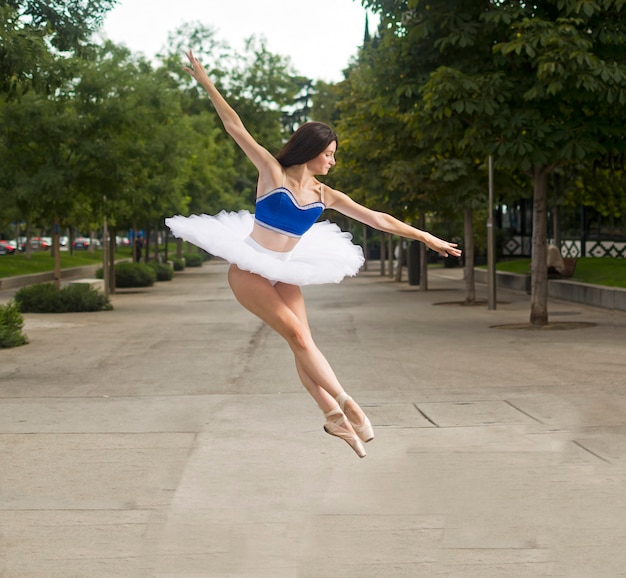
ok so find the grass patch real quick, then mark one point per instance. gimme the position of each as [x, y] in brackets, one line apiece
[42, 261]
[519, 266]
[607, 271]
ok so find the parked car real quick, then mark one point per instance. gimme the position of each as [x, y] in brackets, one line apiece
[8, 247]
[81, 243]
[35, 243]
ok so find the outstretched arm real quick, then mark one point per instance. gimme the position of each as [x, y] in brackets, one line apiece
[259, 156]
[343, 204]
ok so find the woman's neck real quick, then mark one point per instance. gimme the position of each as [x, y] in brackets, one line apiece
[301, 175]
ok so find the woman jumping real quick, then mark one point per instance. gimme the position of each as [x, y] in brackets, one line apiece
[282, 247]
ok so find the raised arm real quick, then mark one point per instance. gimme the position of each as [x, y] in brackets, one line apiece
[260, 157]
[343, 204]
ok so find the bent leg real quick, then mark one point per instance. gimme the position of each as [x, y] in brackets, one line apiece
[266, 301]
[293, 298]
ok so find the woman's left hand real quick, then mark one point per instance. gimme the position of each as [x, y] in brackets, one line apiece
[442, 247]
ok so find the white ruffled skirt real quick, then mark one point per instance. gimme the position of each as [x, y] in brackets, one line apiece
[324, 254]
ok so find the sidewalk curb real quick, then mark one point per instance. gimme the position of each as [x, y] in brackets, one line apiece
[23, 280]
[586, 293]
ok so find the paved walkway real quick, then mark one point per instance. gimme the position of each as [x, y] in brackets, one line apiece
[171, 438]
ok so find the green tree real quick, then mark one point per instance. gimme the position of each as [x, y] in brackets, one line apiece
[38, 39]
[261, 86]
[533, 84]
[67, 24]
[38, 152]
[135, 142]
[35, 36]
[383, 163]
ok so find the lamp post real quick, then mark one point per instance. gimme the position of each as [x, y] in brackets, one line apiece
[105, 250]
[491, 253]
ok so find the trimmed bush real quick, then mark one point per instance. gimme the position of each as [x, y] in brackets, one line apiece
[11, 325]
[178, 264]
[134, 275]
[163, 271]
[194, 259]
[46, 298]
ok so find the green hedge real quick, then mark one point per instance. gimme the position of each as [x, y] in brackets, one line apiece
[178, 264]
[193, 259]
[46, 298]
[163, 271]
[11, 325]
[132, 275]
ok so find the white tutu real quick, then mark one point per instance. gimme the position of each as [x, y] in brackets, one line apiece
[324, 254]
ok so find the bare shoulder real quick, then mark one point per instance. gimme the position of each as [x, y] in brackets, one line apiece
[271, 175]
[334, 198]
[347, 206]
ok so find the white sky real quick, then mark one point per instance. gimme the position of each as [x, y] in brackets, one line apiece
[319, 36]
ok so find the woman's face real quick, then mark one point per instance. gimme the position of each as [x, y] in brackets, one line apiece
[322, 163]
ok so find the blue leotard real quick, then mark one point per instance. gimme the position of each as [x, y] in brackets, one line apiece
[279, 211]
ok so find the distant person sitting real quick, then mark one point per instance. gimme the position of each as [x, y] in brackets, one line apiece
[556, 265]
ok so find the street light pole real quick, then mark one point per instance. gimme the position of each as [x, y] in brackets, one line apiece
[105, 251]
[491, 253]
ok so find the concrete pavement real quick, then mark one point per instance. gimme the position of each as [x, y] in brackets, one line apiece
[170, 437]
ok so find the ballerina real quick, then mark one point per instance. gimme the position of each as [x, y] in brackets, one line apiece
[283, 247]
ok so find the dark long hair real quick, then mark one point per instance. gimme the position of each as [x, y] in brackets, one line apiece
[310, 140]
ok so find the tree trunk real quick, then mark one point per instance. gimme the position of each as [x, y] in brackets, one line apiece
[539, 265]
[556, 213]
[556, 226]
[390, 256]
[398, 278]
[468, 251]
[423, 257]
[382, 254]
[133, 245]
[111, 264]
[27, 247]
[179, 248]
[365, 247]
[157, 252]
[146, 243]
[56, 252]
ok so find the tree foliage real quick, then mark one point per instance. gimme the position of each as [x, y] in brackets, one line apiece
[536, 85]
[93, 132]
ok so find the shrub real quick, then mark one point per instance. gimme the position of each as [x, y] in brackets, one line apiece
[36, 298]
[46, 298]
[194, 259]
[178, 264]
[11, 325]
[163, 271]
[134, 275]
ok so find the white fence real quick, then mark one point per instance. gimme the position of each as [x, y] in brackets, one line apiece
[521, 245]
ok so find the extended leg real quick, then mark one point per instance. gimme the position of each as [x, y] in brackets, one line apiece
[282, 308]
[268, 302]
[292, 296]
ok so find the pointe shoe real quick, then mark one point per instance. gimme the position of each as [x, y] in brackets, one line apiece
[334, 428]
[364, 430]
